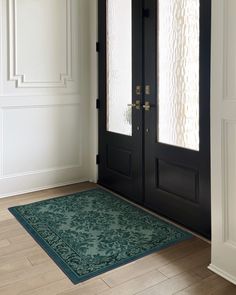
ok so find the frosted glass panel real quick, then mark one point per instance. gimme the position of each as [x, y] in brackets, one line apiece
[119, 66]
[178, 81]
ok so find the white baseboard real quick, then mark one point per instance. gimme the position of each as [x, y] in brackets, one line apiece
[44, 187]
[222, 273]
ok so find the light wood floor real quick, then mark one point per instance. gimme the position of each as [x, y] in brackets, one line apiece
[27, 270]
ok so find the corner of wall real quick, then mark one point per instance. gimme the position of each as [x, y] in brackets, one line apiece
[93, 114]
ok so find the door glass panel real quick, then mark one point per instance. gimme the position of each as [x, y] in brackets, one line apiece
[178, 78]
[119, 66]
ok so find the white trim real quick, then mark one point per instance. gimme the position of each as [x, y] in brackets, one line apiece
[222, 273]
[41, 188]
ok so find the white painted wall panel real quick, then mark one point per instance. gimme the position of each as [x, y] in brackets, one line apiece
[41, 138]
[223, 139]
[44, 93]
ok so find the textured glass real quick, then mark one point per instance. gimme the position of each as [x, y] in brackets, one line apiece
[178, 81]
[119, 66]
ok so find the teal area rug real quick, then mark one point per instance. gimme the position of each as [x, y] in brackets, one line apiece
[91, 232]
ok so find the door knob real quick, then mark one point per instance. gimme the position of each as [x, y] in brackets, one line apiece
[136, 105]
[147, 106]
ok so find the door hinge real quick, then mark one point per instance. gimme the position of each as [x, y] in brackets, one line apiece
[146, 12]
[97, 159]
[98, 104]
[97, 47]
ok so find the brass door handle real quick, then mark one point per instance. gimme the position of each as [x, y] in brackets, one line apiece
[136, 105]
[147, 106]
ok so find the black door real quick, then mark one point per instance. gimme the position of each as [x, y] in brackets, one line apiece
[120, 95]
[164, 162]
[177, 124]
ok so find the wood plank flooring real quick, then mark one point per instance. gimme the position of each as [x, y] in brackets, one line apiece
[25, 269]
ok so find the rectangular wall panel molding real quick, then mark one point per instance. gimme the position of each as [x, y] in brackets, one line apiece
[40, 46]
[33, 28]
[229, 186]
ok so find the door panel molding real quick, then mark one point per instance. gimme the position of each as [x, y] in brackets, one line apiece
[169, 179]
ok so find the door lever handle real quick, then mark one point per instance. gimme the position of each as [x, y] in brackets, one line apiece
[136, 105]
[147, 106]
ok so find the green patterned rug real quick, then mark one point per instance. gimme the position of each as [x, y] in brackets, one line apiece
[91, 232]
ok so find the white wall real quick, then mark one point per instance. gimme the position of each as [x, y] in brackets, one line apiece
[223, 138]
[44, 94]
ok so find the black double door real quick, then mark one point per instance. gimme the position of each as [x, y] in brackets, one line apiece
[154, 106]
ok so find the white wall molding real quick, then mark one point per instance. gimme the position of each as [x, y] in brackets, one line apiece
[228, 174]
[43, 105]
[227, 138]
[225, 205]
[223, 139]
[20, 190]
[35, 172]
[41, 100]
[20, 78]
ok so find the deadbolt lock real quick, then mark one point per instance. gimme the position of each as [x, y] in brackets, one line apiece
[138, 90]
[148, 90]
